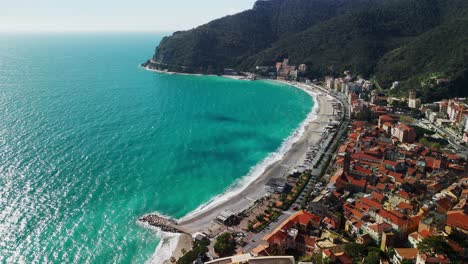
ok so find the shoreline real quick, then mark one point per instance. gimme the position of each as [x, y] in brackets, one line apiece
[257, 172]
[279, 163]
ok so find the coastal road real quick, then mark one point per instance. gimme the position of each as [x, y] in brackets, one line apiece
[257, 238]
[453, 139]
[202, 220]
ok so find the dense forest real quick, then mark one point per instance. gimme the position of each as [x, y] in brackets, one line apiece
[415, 42]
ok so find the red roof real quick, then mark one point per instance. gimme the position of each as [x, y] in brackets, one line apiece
[386, 118]
[425, 233]
[390, 216]
[379, 228]
[457, 219]
[362, 170]
[403, 206]
[410, 171]
[357, 182]
[404, 194]
[301, 217]
[343, 258]
[397, 176]
[362, 156]
[404, 127]
[377, 196]
[390, 163]
[370, 203]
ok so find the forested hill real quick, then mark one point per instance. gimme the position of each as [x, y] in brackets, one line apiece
[411, 41]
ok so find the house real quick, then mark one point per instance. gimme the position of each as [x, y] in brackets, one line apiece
[424, 258]
[413, 102]
[276, 185]
[338, 257]
[284, 71]
[228, 218]
[405, 254]
[386, 119]
[287, 235]
[250, 259]
[416, 237]
[457, 220]
[404, 133]
[375, 231]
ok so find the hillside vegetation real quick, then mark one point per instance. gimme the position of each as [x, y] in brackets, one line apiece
[416, 42]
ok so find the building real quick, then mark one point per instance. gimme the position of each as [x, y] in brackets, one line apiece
[386, 119]
[249, 259]
[288, 236]
[455, 110]
[404, 133]
[284, 71]
[436, 259]
[302, 68]
[276, 185]
[338, 84]
[413, 102]
[228, 71]
[329, 83]
[228, 218]
[401, 254]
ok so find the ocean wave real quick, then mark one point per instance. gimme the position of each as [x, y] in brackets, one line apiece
[166, 246]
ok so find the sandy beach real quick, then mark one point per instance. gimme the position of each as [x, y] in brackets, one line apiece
[252, 187]
[201, 219]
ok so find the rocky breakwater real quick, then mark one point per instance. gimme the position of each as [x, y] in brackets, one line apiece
[164, 223]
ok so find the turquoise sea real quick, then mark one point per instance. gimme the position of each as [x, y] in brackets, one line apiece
[89, 142]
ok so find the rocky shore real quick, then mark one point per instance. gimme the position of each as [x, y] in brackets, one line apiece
[163, 223]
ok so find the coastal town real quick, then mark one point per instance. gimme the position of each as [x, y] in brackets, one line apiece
[375, 178]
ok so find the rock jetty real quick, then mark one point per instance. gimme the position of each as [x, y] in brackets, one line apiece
[163, 223]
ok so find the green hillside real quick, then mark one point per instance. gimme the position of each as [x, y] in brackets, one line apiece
[416, 42]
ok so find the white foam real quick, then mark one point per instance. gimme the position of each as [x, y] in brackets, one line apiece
[260, 168]
[169, 241]
[166, 246]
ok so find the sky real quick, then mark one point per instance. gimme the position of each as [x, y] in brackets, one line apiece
[113, 15]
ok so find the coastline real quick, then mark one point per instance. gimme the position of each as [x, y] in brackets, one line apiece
[251, 187]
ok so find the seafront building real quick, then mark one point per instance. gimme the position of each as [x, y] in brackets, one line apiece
[393, 191]
[384, 188]
[249, 259]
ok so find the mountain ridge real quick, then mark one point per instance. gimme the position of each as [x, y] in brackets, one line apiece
[392, 40]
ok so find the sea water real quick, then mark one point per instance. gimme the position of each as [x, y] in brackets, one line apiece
[89, 142]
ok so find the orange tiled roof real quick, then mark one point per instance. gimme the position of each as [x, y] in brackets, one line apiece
[370, 203]
[302, 217]
[407, 253]
[457, 219]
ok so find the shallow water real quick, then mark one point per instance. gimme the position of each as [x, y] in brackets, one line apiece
[89, 142]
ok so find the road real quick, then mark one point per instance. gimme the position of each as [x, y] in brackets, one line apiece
[257, 238]
[453, 139]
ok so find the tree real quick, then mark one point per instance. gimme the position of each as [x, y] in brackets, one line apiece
[372, 258]
[355, 250]
[224, 245]
[435, 244]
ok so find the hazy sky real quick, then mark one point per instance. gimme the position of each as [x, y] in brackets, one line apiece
[113, 15]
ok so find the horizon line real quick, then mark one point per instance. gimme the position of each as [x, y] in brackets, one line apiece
[84, 31]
